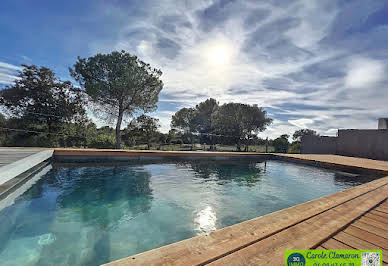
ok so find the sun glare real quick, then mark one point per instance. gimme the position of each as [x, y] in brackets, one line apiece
[219, 54]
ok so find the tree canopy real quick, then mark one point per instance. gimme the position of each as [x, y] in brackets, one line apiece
[239, 121]
[234, 121]
[144, 128]
[297, 136]
[281, 143]
[119, 84]
[42, 102]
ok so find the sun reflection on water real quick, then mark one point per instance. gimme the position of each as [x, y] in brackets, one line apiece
[205, 220]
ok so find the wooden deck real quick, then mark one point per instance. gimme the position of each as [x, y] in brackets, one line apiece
[338, 160]
[355, 218]
[370, 231]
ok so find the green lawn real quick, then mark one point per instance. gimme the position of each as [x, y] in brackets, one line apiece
[200, 147]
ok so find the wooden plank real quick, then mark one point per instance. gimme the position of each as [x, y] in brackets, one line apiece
[367, 236]
[371, 229]
[359, 243]
[335, 244]
[200, 249]
[377, 218]
[385, 203]
[304, 235]
[381, 214]
[354, 242]
[375, 223]
[351, 162]
[382, 209]
[320, 247]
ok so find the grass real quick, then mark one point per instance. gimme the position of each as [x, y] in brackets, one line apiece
[201, 147]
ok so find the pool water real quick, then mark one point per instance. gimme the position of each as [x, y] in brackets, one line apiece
[88, 214]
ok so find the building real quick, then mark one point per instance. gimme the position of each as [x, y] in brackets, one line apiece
[365, 143]
[383, 123]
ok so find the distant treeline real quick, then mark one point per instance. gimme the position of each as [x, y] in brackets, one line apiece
[41, 110]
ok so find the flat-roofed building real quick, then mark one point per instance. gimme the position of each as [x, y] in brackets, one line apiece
[383, 123]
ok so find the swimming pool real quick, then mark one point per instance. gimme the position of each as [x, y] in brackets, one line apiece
[89, 214]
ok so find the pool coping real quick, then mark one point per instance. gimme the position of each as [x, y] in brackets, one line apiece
[322, 160]
[12, 170]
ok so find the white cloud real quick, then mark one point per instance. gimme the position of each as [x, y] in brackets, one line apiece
[8, 73]
[277, 129]
[4, 65]
[302, 123]
[315, 20]
[364, 73]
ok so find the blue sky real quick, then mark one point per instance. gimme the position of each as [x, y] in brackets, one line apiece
[309, 63]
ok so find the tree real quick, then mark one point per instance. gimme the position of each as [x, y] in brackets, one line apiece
[281, 143]
[42, 101]
[148, 126]
[3, 132]
[239, 121]
[297, 136]
[202, 121]
[119, 84]
[183, 120]
[196, 120]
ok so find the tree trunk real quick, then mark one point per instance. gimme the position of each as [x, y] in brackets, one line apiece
[118, 127]
[247, 145]
[238, 145]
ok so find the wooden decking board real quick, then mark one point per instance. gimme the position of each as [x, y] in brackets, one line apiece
[334, 244]
[367, 236]
[382, 209]
[329, 159]
[381, 214]
[357, 243]
[374, 223]
[376, 218]
[368, 232]
[354, 242]
[372, 229]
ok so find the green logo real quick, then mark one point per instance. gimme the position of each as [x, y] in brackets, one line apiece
[296, 259]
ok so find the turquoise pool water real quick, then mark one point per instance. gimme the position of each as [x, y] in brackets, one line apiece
[88, 215]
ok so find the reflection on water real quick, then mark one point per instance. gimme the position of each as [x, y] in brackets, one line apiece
[205, 220]
[90, 214]
[242, 172]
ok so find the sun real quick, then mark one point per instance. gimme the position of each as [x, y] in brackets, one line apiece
[219, 54]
